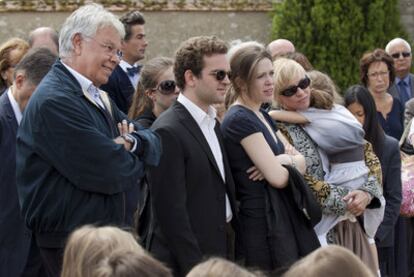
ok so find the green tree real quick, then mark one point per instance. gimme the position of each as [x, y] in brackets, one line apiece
[334, 34]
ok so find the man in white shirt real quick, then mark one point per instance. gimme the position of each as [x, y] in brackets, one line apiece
[19, 255]
[192, 189]
[124, 80]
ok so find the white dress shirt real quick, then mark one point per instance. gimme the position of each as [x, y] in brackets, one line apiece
[86, 85]
[134, 79]
[15, 105]
[207, 122]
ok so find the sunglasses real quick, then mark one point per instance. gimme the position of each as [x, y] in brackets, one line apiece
[398, 55]
[166, 87]
[220, 75]
[290, 91]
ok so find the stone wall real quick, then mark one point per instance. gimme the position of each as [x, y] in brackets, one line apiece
[165, 30]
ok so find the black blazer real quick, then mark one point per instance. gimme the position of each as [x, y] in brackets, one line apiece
[391, 176]
[393, 90]
[14, 236]
[120, 89]
[188, 194]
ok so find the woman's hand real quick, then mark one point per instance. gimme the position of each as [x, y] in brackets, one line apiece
[255, 174]
[357, 201]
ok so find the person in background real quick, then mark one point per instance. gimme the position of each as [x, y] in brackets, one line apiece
[280, 47]
[377, 74]
[44, 37]
[361, 104]
[77, 154]
[156, 91]
[11, 52]
[124, 79]
[403, 86]
[19, 255]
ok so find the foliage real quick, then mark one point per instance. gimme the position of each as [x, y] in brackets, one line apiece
[334, 34]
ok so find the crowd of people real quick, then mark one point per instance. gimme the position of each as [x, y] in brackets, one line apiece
[219, 161]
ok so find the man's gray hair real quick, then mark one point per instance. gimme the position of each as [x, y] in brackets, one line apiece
[396, 41]
[86, 20]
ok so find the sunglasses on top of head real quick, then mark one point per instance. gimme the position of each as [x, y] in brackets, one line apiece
[290, 91]
[220, 75]
[399, 54]
[166, 87]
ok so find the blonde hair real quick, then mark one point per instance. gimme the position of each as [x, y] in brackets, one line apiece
[215, 267]
[331, 260]
[284, 71]
[89, 245]
[6, 59]
[126, 263]
[323, 91]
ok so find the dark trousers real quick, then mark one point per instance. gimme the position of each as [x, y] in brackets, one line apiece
[52, 259]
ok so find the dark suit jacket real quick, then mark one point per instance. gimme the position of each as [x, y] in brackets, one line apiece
[120, 89]
[188, 193]
[391, 175]
[14, 237]
[393, 90]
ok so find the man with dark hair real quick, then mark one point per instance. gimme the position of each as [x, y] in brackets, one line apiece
[124, 79]
[18, 254]
[44, 37]
[192, 190]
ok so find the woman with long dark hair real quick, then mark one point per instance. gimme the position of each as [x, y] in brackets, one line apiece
[361, 104]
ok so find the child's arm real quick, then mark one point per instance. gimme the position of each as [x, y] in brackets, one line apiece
[288, 116]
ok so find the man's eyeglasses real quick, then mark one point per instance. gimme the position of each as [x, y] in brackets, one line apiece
[166, 87]
[399, 54]
[380, 74]
[108, 48]
[220, 75]
[290, 91]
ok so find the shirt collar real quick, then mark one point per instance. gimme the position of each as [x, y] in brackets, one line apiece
[406, 80]
[15, 105]
[84, 82]
[196, 112]
[124, 65]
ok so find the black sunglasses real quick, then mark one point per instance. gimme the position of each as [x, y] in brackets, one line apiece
[220, 74]
[166, 87]
[290, 91]
[398, 54]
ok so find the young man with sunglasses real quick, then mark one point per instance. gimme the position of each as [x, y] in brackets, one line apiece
[192, 190]
[403, 86]
[124, 79]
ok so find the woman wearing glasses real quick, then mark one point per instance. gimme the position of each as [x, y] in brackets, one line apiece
[376, 74]
[252, 139]
[293, 93]
[155, 93]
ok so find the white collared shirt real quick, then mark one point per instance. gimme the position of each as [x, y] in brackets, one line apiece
[207, 122]
[85, 83]
[134, 79]
[15, 105]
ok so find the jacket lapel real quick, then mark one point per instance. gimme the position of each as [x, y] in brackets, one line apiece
[11, 117]
[191, 125]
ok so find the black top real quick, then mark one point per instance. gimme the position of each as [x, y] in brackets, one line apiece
[393, 123]
[238, 124]
[146, 118]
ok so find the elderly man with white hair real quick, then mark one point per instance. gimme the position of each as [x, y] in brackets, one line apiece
[77, 154]
[403, 87]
